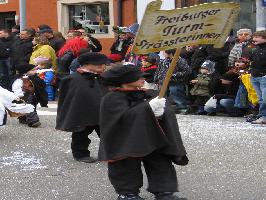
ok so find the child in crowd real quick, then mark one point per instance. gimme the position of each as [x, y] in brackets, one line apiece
[45, 71]
[149, 65]
[246, 98]
[258, 73]
[136, 129]
[200, 89]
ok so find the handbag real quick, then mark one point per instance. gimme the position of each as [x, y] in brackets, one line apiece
[212, 102]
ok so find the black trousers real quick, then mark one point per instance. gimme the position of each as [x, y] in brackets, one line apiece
[80, 141]
[29, 118]
[4, 120]
[126, 175]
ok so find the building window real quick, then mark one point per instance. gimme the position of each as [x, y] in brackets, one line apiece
[93, 17]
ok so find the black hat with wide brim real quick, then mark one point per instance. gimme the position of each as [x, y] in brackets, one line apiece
[92, 58]
[122, 74]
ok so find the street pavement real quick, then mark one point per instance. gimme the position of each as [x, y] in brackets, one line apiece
[227, 162]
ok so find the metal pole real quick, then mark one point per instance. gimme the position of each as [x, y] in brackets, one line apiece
[119, 13]
[22, 13]
[260, 15]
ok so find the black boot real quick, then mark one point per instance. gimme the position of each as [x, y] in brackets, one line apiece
[129, 197]
[167, 196]
[180, 160]
[86, 159]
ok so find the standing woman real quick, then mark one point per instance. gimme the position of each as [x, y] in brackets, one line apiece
[42, 48]
[68, 53]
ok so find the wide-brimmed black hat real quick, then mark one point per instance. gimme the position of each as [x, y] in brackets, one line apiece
[23, 68]
[121, 74]
[92, 58]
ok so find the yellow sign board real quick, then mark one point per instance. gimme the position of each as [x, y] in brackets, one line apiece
[167, 29]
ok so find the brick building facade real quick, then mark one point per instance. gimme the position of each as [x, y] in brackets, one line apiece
[63, 15]
[97, 16]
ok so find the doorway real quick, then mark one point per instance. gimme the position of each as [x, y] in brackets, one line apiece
[7, 20]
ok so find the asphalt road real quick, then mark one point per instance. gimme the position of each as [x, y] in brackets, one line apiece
[227, 161]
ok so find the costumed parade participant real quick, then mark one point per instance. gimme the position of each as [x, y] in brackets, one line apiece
[136, 130]
[31, 88]
[79, 102]
[9, 101]
[121, 45]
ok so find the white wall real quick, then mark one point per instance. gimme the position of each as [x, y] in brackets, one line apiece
[141, 6]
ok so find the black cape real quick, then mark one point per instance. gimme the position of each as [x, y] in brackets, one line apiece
[79, 102]
[129, 128]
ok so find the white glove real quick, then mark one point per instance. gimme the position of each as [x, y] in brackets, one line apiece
[158, 112]
[157, 105]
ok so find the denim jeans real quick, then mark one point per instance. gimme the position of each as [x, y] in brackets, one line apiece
[227, 104]
[178, 93]
[4, 73]
[259, 84]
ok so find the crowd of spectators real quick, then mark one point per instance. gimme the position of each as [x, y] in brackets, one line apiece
[206, 81]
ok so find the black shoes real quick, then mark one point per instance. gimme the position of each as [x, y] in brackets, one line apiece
[251, 118]
[180, 160]
[201, 113]
[22, 120]
[211, 114]
[35, 124]
[86, 159]
[129, 197]
[167, 196]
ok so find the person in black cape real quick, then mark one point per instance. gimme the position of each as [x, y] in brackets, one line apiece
[79, 104]
[135, 130]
